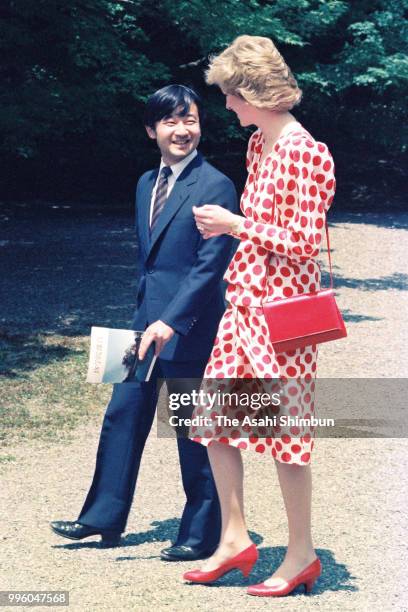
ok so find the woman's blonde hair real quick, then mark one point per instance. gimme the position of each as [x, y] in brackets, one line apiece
[253, 68]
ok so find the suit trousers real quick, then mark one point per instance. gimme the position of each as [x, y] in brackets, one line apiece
[126, 425]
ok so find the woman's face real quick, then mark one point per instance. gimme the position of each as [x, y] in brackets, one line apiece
[243, 110]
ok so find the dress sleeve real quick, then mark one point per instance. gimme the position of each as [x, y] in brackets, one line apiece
[300, 183]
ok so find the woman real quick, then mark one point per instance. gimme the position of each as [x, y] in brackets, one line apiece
[289, 188]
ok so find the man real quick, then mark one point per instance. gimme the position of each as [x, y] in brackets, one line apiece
[179, 303]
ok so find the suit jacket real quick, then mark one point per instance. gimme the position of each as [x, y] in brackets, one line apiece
[181, 273]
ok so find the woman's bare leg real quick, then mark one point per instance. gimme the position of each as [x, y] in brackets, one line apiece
[296, 486]
[226, 464]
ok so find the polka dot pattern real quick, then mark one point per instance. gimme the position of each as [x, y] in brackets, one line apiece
[285, 201]
[243, 351]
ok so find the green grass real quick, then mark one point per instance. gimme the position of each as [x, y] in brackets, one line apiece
[7, 458]
[44, 393]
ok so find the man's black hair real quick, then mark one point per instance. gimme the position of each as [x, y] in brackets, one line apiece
[166, 100]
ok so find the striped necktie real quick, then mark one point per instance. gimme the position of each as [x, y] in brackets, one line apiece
[161, 195]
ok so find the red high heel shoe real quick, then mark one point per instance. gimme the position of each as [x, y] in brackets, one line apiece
[244, 561]
[307, 577]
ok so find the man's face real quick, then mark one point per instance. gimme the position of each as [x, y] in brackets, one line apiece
[177, 136]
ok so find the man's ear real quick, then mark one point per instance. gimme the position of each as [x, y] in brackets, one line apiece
[150, 132]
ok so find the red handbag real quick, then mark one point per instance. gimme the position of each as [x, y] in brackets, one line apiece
[304, 319]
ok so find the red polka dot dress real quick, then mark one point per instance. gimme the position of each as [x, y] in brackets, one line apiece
[284, 202]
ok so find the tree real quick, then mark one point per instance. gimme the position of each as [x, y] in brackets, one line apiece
[76, 79]
[77, 76]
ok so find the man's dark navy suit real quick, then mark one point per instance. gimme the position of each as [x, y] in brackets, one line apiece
[180, 284]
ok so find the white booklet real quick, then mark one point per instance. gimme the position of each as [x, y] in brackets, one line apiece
[114, 356]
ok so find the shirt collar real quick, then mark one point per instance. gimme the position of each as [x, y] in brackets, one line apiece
[178, 168]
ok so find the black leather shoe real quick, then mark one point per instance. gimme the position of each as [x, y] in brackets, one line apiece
[75, 531]
[184, 553]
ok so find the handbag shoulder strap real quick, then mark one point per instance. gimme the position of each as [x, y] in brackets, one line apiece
[329, 255]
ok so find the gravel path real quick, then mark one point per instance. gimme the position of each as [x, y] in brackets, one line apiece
[360, 499]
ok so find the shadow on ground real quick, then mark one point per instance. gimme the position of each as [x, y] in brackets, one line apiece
[163, 531]
[68, 271]
[350, 317]
[392, 220]
[72, 268]
[397, 280]
[335, 576]
[22, 353]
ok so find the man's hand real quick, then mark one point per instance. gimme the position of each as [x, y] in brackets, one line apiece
[159, 333]
[213, 220]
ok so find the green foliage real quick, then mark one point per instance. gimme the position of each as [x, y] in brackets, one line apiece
[77, 74]
[76, 80]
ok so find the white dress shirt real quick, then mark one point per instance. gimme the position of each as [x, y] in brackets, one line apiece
[176, 170]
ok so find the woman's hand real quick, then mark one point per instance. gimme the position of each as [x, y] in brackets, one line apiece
[213, 220]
